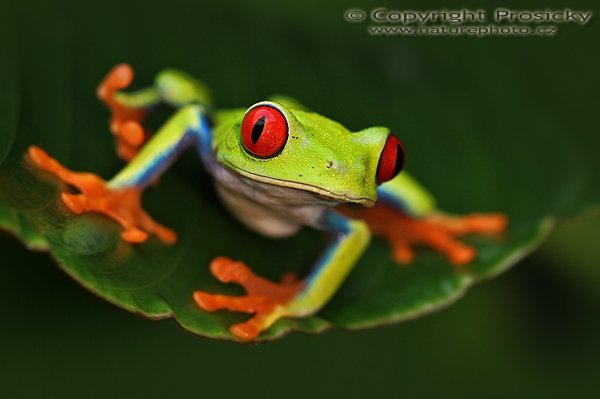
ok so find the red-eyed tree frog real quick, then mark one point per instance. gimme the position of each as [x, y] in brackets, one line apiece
[277, 167]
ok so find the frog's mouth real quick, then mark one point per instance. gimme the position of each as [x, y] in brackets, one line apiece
[303, 186]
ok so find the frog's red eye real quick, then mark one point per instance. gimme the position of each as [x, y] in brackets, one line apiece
[264, 131]
[391, 160]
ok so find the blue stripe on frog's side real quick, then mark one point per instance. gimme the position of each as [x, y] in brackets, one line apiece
[387, 197]
[338, 227]
[350, 239]
[404, 193]
[188, 126]
[204, 139]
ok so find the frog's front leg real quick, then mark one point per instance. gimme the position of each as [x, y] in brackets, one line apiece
[120, 197]
[128, 109]
[269, 301]
[405, 215]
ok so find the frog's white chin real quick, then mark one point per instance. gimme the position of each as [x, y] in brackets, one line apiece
[323, 195]
[271, 207]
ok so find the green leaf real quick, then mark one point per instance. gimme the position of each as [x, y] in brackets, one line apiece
[477, 133]
[156, 281]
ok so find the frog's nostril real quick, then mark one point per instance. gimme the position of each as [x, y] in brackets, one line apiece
[329, 164]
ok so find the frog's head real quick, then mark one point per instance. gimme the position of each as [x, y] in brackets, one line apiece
[306, 151]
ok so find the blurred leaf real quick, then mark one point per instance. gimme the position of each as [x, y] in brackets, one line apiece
[572, 254]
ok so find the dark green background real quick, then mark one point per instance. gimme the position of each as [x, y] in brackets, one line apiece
[531, 333]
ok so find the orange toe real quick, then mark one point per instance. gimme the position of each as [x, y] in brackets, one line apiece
[245, 331]
[132, 133]
[461, 255]
[134, 235]
[208, 302]
[121, 205]
[73, 202]
[401, 251]
[119, 77]
[475, 223]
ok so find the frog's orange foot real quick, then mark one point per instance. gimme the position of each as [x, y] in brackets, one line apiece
[265, 299]
[436, 230]
[125, 122]
[121, 205]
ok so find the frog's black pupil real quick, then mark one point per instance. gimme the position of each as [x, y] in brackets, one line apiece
[257, 129]
[399, 160]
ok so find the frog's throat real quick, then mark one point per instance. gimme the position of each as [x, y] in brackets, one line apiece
[302, 186]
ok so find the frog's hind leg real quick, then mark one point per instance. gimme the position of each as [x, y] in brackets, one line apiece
[269, 301]
[128, 109]
[436, 230]
[406, 215]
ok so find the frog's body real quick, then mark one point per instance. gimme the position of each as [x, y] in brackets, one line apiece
[277, 167]
[279, 204]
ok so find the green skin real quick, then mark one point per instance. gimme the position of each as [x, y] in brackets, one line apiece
[321, 156]
[322, 165]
